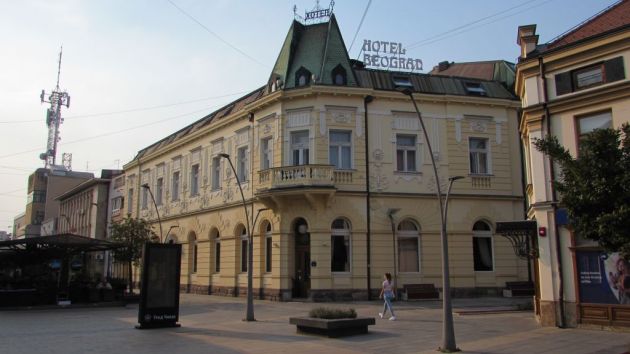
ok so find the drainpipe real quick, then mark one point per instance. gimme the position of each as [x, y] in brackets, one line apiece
[367, 100]
[526, 203]
[554, 198]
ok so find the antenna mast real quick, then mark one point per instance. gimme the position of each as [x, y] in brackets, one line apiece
[57, 99]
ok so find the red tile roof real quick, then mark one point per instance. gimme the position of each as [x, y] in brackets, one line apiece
[615, 16]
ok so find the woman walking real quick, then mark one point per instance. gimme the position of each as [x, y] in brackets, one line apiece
[388, 294]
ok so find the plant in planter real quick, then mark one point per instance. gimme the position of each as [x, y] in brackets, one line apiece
[333, 322]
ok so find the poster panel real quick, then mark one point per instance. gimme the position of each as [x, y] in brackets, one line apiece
[603, 278]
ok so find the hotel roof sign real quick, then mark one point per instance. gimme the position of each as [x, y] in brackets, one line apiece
[316, 14]
[388, 55]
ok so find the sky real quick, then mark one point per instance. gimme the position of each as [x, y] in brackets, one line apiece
[139, 70]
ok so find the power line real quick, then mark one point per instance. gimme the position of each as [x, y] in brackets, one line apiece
[90, 115]
[215, 35]
[360, 24]
[412, 45]
[114, 132]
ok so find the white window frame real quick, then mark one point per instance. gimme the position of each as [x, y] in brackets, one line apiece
[242, 163]
[266, 153]
[478, 151]
[340, 146]
[405, 148]
[408, 234]
[216, 172]
[484, 234]
[300, 147]
[194, 179]
[346, 233]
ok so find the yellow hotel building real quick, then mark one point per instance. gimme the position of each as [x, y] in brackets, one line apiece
[336, 172]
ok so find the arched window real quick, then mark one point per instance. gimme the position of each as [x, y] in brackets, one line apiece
[408, 246]
[483, 252]
[268, 248]
[302, 77]
[244, 249]
[340, 246]
[339, 76]
[192, 247]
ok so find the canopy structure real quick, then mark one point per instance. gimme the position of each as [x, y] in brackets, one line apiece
[519, 234]
[68, 243]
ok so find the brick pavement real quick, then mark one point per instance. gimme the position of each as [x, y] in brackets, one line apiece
[213, 324]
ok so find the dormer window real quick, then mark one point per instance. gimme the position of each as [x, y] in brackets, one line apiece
[402, 82]
[339, 76]
[302, 77]
[475, 89]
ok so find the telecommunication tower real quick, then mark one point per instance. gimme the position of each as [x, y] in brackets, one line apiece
[57, 99]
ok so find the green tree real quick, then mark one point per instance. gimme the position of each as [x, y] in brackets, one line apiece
[133, 233]
[595, 186]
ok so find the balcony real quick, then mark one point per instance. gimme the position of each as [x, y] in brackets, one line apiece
[481, 181]
[303, 176]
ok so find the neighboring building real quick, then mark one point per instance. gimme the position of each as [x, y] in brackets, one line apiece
[18, 225]
[4, 236]
[496, 70]
[44, 185]
[568, 87]
[301, 146]
[115, 214]
[83, 211]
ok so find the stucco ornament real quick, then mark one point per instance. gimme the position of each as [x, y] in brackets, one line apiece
[378, 154]
[341, 117]
[478, 126]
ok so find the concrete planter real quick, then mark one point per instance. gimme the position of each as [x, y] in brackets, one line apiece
[333, 328]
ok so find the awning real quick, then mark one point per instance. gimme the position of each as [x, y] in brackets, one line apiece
[68, 242]
[519, 234]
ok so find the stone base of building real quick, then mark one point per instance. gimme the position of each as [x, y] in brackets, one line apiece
[549, 314]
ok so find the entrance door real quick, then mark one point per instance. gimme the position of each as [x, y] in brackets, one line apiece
[302, 275]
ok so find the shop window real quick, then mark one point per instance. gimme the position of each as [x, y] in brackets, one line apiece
[340, 246]
[483, 253]
[408, 236]
[244, 249]
[268, 249]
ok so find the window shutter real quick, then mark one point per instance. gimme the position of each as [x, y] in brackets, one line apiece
[563, 83]
[614, 69]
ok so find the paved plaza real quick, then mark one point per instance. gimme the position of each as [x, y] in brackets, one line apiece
[212, 324]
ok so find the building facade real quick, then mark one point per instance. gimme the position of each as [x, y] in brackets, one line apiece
[569, 87]
[337, 180]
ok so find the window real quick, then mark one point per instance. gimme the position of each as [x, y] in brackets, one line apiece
[339, 76]
[130, 200]
[340, 152]
[478, 148]
[216, 173]
[302, 77]
[217, 253]
[340, 246]
[408, 246]
[193, 253]
[194, 180]
[39, 218]
[402, 81]
[39, 196]
[244, 250]
[406, 153]
[482, 247]
[117, 204]
[299, 148]
[145, 198]
[268, 249]
[175, 186]
[241, 164]
[266, 153]
[589, 76]
[159, 189]
[475, 89]
[588, 123]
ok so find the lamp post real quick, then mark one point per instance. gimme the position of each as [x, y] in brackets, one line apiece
[146, 186]
[390, 215]
[448, 331]
[250, 247]
[169, 231]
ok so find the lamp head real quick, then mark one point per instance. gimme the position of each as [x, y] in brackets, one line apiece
[455, 178]
[404, 90]
[146, 186]
[224, 155]
[392, 211]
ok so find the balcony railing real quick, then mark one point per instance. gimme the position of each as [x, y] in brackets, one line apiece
[481, 182]
[303, 175]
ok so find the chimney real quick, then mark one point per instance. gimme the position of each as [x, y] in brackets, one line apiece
[443, 65]
[527, 39]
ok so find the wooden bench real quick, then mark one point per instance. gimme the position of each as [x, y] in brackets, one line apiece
[519, 288]
[421, 291]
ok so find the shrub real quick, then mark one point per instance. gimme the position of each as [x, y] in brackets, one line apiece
[331, 314]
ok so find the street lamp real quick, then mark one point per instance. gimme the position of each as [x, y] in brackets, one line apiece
[250, 247]
[146, 186]
[390, 215]
[448, 331]
[169, 231]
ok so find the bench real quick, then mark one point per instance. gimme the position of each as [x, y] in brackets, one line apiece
[519, 288]
[421, 291]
